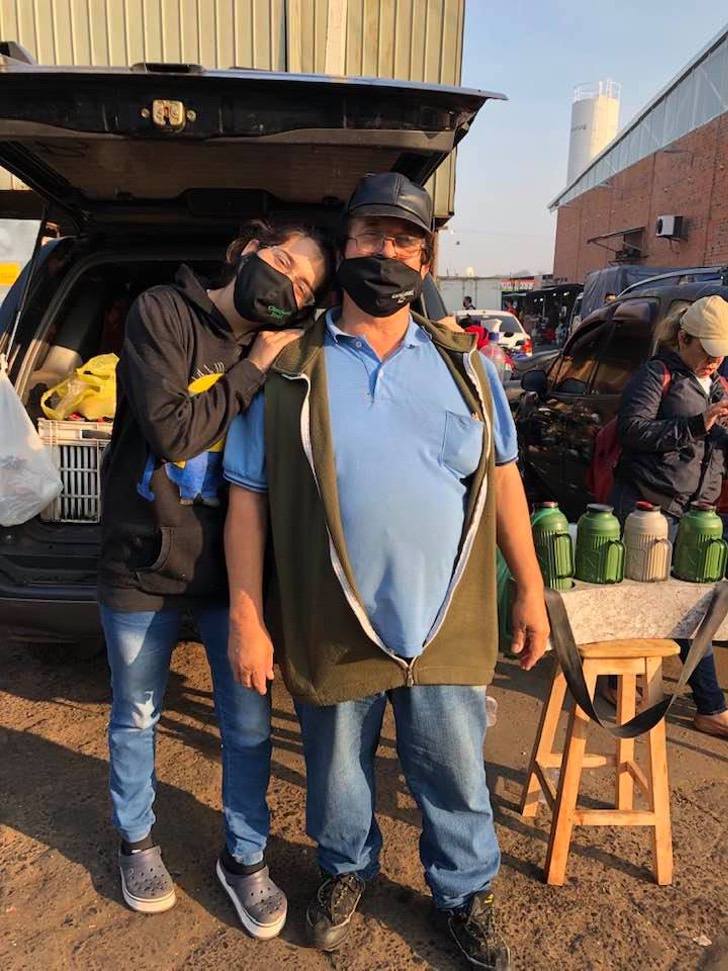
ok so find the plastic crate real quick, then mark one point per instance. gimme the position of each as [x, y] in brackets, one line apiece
[76, 449]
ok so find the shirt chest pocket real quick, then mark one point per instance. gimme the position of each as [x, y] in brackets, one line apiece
[462, 444]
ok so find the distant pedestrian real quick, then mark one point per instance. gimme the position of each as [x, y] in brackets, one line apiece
[673, 447]
[468, 303]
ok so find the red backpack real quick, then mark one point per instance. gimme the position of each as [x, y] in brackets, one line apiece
[607, 451]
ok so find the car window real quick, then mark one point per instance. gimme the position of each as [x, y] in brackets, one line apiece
[627, 348]
[573, 370]
[508, 323]
[676, 306]
[51, 265]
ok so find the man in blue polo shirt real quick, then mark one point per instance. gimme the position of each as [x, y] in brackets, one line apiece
[422, 448]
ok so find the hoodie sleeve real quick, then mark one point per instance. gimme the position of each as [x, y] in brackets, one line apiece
[640, 430]
[154, 373]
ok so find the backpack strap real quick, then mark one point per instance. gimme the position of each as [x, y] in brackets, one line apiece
[666, 378]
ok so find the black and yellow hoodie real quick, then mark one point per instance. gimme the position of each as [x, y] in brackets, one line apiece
[181, 380]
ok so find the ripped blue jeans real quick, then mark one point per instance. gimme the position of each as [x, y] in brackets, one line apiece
[139, 646]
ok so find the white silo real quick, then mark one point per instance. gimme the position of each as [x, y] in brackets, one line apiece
[594, 123]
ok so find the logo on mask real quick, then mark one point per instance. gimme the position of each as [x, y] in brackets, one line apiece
[379, 285]
[263, 294]
[280, 316]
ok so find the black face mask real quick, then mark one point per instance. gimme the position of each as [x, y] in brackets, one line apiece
[380, 286]
[265, 295]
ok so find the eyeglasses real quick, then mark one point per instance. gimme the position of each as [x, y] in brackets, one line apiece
[372, 242]
[283, 261]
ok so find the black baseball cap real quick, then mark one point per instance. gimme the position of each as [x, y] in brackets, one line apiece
[391, 194]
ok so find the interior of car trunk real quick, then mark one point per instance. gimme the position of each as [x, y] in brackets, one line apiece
[89, 321]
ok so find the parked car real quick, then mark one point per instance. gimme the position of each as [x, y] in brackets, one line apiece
[513, 338]
[565, 404]
[144, 168]
[691, 274]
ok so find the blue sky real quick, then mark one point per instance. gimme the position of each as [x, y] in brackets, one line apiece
[513, 161]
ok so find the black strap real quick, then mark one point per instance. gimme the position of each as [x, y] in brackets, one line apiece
[562, 639]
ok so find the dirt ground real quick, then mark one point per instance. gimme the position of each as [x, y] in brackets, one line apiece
[60, 905]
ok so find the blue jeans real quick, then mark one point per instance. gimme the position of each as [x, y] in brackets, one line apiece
[707, 694]
[440, 734]
[139, 647]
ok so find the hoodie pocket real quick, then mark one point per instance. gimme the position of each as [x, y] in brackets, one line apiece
[187, 562]
[462, 444]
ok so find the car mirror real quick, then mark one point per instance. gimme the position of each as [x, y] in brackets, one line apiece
[508, 333]
[535, 380]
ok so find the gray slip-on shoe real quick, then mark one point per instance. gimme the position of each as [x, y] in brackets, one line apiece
[260, 904]
[145, 881]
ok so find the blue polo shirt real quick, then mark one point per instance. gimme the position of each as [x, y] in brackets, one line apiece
[405, 443]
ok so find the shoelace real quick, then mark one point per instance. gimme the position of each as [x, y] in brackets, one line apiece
[480, 923]
[337, 892]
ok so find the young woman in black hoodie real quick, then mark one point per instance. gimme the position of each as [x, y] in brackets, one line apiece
[674, 448]
[192, 359]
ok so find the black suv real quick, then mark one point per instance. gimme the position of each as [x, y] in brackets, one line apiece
[146, 167]
[564, 406]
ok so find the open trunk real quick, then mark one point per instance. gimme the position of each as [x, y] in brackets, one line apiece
[145, 168]
[180, 145]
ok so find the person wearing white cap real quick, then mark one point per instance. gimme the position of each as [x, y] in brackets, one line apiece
[671, 429]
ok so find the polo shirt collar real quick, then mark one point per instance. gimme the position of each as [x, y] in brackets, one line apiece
[414, 335]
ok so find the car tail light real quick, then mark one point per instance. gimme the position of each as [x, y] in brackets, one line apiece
[527, 347]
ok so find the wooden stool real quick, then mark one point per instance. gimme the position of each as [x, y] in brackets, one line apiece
[626, 659]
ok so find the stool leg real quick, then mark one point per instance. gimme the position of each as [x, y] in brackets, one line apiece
[658, 778]
[626, 707]
[544, 743]
[568, 791]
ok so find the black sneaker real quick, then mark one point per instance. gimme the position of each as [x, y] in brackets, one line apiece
[329, 913]
[473, 930]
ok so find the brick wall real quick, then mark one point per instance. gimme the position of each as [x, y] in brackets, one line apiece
[689, 179]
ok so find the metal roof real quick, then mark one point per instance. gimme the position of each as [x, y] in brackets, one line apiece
[696, 95]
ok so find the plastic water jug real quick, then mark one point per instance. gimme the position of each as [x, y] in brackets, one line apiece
[647, 549]
[599, 550]
[496, 354]
[700, 550]
[553, 544]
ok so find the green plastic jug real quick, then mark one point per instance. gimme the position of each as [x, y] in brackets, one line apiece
[599, 550]
[700, 550]
[553, 544]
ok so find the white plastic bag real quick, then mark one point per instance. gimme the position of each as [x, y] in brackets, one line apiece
[28, 479]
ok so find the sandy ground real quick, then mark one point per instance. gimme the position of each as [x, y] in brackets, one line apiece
[60, 905]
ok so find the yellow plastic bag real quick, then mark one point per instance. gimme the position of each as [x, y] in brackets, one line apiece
[90, 391]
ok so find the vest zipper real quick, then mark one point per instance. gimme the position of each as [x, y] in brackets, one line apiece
[358, 610]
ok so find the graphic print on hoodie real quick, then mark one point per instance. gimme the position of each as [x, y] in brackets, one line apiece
[198, 479]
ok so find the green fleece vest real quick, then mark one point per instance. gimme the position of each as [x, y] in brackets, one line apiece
[325, 644]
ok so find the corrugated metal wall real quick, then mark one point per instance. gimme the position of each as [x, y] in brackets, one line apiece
[215, 33]
[419, 40]
[416, 40]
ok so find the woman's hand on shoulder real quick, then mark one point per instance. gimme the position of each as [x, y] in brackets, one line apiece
[269, 344]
